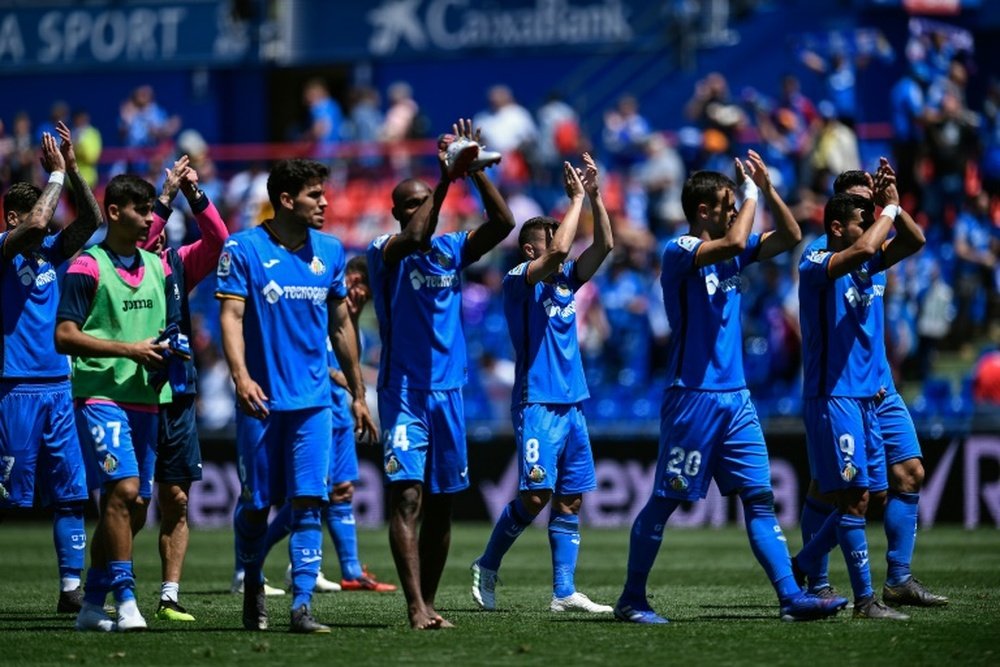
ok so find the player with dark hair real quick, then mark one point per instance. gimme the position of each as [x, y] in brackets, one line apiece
[417, 293]
[116, 300]
[282, 292]
[903, 457]
[178, 454]
[841, 289]
[708, 425]
[553, 446]
[38, 440]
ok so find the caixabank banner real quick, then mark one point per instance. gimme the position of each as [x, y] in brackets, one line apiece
[962, 484]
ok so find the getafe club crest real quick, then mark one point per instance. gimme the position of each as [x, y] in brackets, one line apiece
[443, 260]
[392, 465]
[849, 472]
[679, 483]
[317, 266]
[536, 474]
[110, 464]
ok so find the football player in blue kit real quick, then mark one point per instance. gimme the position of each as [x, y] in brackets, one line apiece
[553, 446]
[866, 431]
[38, 439]
[282, 292]
[416, 282]
[708, 426]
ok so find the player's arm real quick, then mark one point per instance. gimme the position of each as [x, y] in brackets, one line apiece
[163, 203]
[200, 257]
[787, 234]
[89, 215]
[909, 238]
[417, 234]
[249, 395]
[591, 259]
[32, 232]
[499, 220]
[344, 338]
[541, 267]
[734, 242]
[866, 247]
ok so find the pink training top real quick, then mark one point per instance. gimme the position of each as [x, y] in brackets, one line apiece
[86, 265]
[201, 257]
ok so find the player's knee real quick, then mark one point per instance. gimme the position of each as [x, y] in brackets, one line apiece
[907, 476]
[853, 501]
[406, 501]
[342, 493]
[123, 494]
[757, 496]
[173, 503]
[569, 504]
[535, 501]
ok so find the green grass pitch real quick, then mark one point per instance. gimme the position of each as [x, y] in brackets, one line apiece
[722, 610]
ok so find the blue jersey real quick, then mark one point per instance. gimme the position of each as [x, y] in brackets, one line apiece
[285, 322]
[541, 319]
[703, 306]
[418, 303]
[29, 299]
[881, 355]
[843, 327]
[340, 397]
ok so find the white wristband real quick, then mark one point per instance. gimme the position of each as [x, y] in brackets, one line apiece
[749, 190]
[57, 177]
[892, 210]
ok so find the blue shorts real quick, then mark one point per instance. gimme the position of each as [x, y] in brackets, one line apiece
[844, 443]
[423, 433]
[38, 441]
[554, 448]
[343, 457]
[178, 452]
[899, 437]
[120, 443]
[707, 435]
[284, 456]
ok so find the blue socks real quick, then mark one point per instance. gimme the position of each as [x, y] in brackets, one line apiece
[814, 515]
[249, 539]
[512, 522]
[95, 590]
[122, 580]
[851, 536]
[70, 540]
[564, 538]
[901, 533]
[768, 542]
[305, 548]
[644, 544]
[340, 522]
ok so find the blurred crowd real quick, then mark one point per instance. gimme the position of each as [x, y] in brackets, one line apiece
[946, 153]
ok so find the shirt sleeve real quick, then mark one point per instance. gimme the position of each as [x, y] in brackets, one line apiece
[172, 291]
[458, 244]
[751, 253]
[515, 283]
[376, 256]
[569, 272]
[232, 272]
[78, 288]
[201, 256]
[814, 266]
[678, 256]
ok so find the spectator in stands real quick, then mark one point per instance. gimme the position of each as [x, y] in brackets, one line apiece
[508, 128]
[986, 379]
[836, 145]
[325, 118]
[719, 118]
[401, 123]
[558, 134]
[364, 124]
[22, 161]
[840, 80]
[88, 144]
[624, 290]
[976, 261]
[58, 113]
[625, 133]
[937, 311]
[908, 119]
[246, 201]
[143, 122]
[661, 175]
[952, 143]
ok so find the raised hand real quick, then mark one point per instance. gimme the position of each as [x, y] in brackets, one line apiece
[589, 176]
[758, 170]
[572, 182]
[172, 183]
[189, 182]
[740, 171]
[463, 128]
[51, 159]
[66, 145]
[885, 191]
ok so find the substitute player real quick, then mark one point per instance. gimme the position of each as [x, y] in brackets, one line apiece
[845, 283]
[116, 300]
[553, 445]
[38, 441]
[281, 287]
[178, 454]
[708, 426]
[417, 291]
